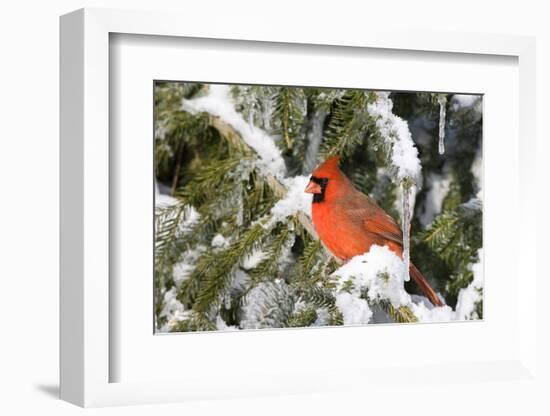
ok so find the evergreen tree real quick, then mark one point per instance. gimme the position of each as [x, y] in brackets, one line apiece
[226, 258]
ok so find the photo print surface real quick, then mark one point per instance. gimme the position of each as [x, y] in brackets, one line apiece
[294, 207]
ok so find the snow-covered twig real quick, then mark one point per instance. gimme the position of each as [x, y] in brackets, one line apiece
[381, 274]
[395, 132]
[218, 102]
[279, 189]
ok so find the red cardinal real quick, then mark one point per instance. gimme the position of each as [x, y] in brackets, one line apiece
[349, 222]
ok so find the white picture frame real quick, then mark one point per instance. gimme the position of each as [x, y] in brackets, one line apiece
[86, 356]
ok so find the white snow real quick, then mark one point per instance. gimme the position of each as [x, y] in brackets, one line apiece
[219, 102]
[253, 259]
[381, 272]
[295, 200]
[396, 131]
[162, 201]
[219, 241]
[356, 311]
[432, 314]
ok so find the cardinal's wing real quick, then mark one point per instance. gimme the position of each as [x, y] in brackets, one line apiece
[384, 226]
[363, 210]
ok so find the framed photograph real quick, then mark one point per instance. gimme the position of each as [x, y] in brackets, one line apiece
[273, 214]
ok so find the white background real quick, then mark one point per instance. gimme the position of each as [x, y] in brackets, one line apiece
[29, 208]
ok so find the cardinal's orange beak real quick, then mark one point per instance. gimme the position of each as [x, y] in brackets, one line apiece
[313, 188]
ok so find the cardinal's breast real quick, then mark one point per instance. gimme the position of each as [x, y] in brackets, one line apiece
[342, 235]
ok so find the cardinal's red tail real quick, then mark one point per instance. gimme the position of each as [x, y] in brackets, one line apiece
[424, 285]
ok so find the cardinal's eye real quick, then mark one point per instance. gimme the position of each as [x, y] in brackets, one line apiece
[321, 181]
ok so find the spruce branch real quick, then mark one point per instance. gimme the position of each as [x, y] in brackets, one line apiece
[303, 317]
[347, 126]
[267, 267]
[195, 322]
[212, 275]
[455, 235]
[402, 314]
[168, 227]
[289, 114]
[279, 190]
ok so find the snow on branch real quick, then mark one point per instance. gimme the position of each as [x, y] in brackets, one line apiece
[395, 132]
[293, 200]
[380, 275]
[380, 272]
[355, 310]
[218, 102]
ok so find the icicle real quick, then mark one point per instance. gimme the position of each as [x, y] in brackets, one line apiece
[442, 100]
[406, 225]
